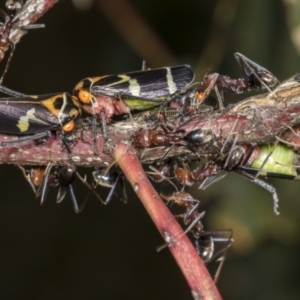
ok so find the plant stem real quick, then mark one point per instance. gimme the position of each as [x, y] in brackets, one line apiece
[192, 267]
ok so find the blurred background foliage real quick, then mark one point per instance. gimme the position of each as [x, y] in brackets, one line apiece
[109, 252]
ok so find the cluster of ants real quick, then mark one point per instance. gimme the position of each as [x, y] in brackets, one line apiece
[214, 155]
[162, 102]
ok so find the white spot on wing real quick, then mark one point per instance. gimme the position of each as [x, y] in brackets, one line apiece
[134, 87]
[171, 83]
[23, 123]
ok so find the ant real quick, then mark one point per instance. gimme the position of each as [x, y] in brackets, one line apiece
[196, 100]
[204, 240]
[41, 178]
[236, 158]
[255, 77]
[160, 135]
[191, 216]
[187, 177]
[10, 22]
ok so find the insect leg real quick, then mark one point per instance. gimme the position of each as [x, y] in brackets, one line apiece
[38, 136]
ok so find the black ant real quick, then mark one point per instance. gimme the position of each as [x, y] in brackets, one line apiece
[255, 77]
[204, 240]
[42, 178]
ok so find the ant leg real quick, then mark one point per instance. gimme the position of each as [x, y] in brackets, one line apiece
[12, 50]
[36, 137]
[220, 98]
[265, 186]
[189, 213]
[43, 189]
[92, 190]
[73, 198]
[210, 179]
[12, 93]
[61, 194]
[94, 129]
[223, 251]
[103, 122]
[123, 187]
[32, 26]
[113, 189]
[27, 177]
[61, 135]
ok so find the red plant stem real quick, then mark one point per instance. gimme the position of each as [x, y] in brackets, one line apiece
[264, 126]
[53, 151]
[256, 120]
[259, 125]
[194, 270]
[44, 6]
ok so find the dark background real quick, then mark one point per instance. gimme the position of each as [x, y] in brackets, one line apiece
[49, 252]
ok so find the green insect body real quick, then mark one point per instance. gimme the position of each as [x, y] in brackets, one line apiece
[282, 160]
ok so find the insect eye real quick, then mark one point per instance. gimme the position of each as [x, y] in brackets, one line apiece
[69, 126]
[85, 96]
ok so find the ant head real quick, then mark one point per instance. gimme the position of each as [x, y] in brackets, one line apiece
[14, 6]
